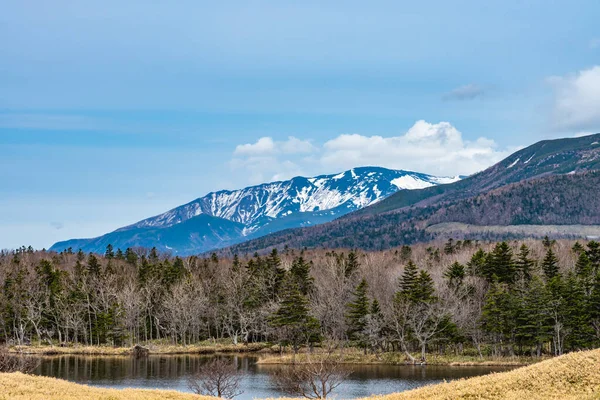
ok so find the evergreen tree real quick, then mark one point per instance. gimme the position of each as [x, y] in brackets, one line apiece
[476, 266]
[583, 266]
[405, 253]
[593, 253]
[93, 265]
[449, 246]
[423, 289]
[533, 323]
[109, 253]
[455, 274]
[547, 242]
[300, 272]
[500, 263]
[577, 248]
[295, 325]
[358, 310]
[550, 264]
[352, 264]
[409, 277]
[130, 256]
[524, 265]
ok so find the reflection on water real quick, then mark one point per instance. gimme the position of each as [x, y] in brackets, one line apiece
[171, 371]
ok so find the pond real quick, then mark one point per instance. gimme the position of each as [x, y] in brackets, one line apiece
[171, 372]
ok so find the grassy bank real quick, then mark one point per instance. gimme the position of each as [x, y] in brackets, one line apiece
[206, 347]
[17, 386]
[357, 356]
[574, 376]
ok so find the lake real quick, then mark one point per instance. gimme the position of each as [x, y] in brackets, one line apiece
[171, 371]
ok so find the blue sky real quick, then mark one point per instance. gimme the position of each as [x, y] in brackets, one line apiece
[114, 111]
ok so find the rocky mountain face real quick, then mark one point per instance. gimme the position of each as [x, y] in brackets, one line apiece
[227, 217]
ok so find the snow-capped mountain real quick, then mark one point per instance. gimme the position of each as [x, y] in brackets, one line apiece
[231, 216]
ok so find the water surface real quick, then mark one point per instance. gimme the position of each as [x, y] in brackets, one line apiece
[171, 372]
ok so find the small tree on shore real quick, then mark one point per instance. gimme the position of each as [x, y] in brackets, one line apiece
[313, 378]
[16, 363]
[218, 377]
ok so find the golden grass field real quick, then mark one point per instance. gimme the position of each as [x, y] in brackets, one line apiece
[575, 376]
[17, 386]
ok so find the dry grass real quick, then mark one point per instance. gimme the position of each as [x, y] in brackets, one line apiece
[201, 348]
[575, 376]
[17, 386]
[357, 356]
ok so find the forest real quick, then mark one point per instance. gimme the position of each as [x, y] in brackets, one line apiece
[532, 297]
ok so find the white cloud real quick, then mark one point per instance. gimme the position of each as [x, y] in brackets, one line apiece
[425, 147]
[263, 146]
[437, 149]
[267, 146]
[466, 92]
[576, 102]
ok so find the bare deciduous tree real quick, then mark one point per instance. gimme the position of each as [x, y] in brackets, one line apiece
[313, 378]
[16, 363]
[218, 377]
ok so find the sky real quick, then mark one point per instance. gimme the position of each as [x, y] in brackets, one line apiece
[113, 111]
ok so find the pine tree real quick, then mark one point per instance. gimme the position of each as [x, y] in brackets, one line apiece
[476, 265]
[275, 273]
[524, 265]
[300, 272]
[500, 263]
[532, 316]
[93, 265]
[593, 253]
[455, 274]
[449, 246]
[547, 242]
[296, 326]
[109, 253]
[130, 256]
[423, 290]
[577, 248]
[583, 266]
[550, 264]
[358, 311]
[352, 264]
[409, 276]
[405, 253]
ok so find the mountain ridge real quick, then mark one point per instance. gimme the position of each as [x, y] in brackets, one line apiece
[254, 211]
[398, 219]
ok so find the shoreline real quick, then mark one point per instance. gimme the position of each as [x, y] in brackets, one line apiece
[269, 354]
[152, 349]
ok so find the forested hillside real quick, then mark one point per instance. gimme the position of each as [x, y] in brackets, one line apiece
[534, 297]
[552, 200]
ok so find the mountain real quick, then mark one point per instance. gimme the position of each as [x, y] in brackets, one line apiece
[228, 217]
[545, 184]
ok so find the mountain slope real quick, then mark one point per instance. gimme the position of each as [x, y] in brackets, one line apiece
[544, 183]
[228, 217]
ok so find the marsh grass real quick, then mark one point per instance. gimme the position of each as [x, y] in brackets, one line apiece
[205, 347]
[357, 356]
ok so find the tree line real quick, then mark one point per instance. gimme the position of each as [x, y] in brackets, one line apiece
[493, 299]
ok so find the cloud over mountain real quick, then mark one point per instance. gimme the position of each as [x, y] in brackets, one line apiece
[436, 148]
